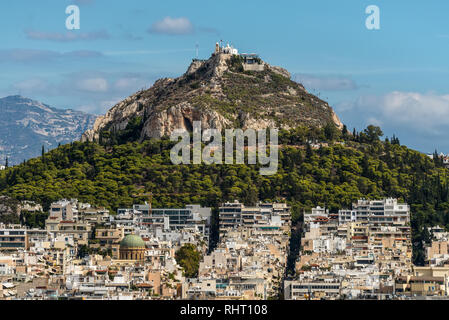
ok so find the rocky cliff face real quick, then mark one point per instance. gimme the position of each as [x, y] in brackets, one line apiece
[220, 94]
[8, 206]
[27, 125]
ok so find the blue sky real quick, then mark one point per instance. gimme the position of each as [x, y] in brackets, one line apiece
[395, 77]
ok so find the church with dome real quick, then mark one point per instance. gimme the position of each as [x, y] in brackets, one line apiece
[132, 247]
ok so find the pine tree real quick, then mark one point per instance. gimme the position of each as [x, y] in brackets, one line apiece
[395, 140]
[365, 166]
[344, 132]
[309, 151]
[387, 157]
[43, 155]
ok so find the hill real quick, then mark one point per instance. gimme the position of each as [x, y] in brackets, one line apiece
[219, 93]
[27, 125]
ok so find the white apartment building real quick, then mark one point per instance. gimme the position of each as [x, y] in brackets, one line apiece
[176, 219]
[316, 214]
[235, 214]
[385, 212]
[310, 289]
[13, 237]
[62, 210]
[329, 244]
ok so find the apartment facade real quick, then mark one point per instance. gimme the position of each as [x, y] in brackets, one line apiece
[233, 215]
[386, 212]
[13, 237]
[308, 288]
[176, 219]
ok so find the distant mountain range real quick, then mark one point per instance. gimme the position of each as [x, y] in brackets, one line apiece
[27, 125]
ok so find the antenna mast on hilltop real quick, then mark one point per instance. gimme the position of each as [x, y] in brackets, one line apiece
[197, 49]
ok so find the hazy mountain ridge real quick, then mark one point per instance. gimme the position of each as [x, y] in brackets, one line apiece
[26, 125]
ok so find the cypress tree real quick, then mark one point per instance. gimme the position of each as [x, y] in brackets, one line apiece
[309, 151]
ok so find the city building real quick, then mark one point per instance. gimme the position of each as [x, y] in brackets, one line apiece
[317, 214]
[80, 231]
[179, 218]
[312, 289]
[13, 237]
[233, 215]
[386, 212]
[109, 240]
[61, 210]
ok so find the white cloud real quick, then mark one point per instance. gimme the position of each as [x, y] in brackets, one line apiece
[325, 82]
[130, 83]
[93, 85]
[31, 85]
[415, 108]
[374, 121]
[172, 26]
[428, 112]
[99, 107]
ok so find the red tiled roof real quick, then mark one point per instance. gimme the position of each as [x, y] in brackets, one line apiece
[318, 219]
